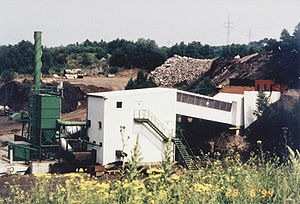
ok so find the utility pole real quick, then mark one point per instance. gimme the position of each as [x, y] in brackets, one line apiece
[228, 27]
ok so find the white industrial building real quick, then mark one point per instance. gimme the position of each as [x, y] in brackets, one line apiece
[118, 117]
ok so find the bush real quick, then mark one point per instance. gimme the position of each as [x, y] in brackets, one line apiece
[205, 87]
[7, 75]
[113, 70]
[142, 81]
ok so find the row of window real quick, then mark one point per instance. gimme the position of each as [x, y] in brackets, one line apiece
[205, 102]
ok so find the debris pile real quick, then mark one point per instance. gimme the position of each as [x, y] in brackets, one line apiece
[180, 71]
[15, 95]
[5, 111]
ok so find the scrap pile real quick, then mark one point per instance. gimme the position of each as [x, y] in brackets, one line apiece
[180, 71]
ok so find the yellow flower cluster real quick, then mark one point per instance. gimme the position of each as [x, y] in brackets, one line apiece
[202, 187]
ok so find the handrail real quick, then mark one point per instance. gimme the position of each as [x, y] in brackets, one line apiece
[146, 114]
[186, 143]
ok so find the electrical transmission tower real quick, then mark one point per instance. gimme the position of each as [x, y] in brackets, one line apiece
[228, 27]
[249, 35]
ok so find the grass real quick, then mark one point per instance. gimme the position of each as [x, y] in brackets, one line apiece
[222, 180]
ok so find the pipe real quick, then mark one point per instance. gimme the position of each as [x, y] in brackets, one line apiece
[11, 156]
[37, 59]
[71, 123]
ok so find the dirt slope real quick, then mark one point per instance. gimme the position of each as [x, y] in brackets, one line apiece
[185, 73]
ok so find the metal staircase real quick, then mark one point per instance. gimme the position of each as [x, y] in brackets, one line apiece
[184, 150]
[145, 116]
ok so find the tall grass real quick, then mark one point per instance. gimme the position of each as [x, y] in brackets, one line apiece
[222, 180]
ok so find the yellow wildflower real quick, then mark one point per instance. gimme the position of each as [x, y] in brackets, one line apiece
[126, 185]
[235, 192]
[228, 192]
[158, 170]
[252, 193]
[175, 177]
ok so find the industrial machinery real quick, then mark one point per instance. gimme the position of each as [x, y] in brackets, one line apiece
[44, 135]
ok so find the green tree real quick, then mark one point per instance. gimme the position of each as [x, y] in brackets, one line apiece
[86, 59]
[142, 81]
[7, 75]
[296, 37]
[262, 103]
[205, 87]
[286, 41]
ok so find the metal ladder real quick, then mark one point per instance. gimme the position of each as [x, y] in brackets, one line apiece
[145, 116]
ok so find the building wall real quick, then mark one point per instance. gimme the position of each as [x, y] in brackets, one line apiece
[250, 98]
[120, 130]
[95, 113]
[238, 107]
[203, 113]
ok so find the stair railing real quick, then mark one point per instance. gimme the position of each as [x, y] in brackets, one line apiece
[147, 115]
[186, 144]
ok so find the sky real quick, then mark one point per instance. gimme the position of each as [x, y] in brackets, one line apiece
[165, 21]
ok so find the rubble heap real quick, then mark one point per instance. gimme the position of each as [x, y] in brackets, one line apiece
[180, 71]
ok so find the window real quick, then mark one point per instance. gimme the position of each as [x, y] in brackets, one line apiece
[119, 104]
[100, 124]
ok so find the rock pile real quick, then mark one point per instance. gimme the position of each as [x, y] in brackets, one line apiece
[180, 71]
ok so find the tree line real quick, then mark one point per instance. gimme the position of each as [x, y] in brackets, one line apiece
[143, 53]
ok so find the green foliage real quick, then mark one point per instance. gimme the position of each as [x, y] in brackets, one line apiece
[278, 126]
[86, 59]
[193, 49]
[113, 70]
[144, 53]
[132, 170]
[262, 102]
[233, 50]
[142, 81]
[205, 87]
[222, 180]
[7, 75]
[167, 164]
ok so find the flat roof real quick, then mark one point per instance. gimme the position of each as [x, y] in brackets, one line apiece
[131, 92]
[156, 90]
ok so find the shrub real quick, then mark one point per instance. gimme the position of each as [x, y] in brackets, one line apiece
[113, 70]
[142, 81]
[7, 75]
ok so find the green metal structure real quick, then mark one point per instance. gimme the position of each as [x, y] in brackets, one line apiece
[42, 128]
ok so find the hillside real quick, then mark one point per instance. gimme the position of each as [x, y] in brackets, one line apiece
[186, 73]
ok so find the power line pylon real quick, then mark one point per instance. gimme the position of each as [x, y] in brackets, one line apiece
[249, 36]
[228, 27]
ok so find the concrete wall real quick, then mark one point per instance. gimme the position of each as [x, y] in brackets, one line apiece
[250, 98]
[120, 130]
[238, 107]
[95, 113]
